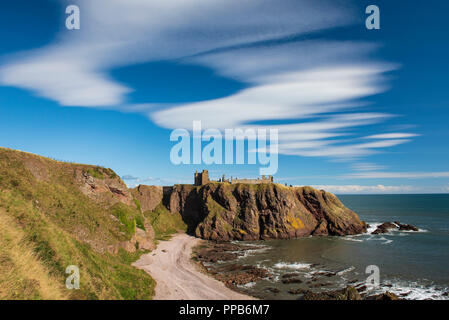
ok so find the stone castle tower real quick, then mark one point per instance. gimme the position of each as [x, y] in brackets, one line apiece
[201, 178]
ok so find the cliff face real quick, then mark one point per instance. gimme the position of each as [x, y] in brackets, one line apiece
[54, 214]
[267, 211]
[148, 196]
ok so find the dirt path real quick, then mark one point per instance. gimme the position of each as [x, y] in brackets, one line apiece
[176, 275]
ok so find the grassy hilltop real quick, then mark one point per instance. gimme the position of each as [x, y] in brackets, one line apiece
[55, 214]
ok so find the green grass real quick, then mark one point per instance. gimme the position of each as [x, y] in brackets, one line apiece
[137, 203]
[96, 172]
[164, 222]
[48, 224]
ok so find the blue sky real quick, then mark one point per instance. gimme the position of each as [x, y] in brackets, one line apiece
[358, 111]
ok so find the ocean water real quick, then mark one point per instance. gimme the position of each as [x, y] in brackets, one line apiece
[414, 265]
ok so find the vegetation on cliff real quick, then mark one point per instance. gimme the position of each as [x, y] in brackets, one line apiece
[164, 222]
[55, 214]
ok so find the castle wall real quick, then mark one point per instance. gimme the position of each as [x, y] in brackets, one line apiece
[250, 181]
[202, 178]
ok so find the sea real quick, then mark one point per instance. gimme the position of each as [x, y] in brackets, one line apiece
[413, 265]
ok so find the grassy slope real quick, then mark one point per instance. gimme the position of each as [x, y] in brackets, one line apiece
[48, 224]
[164, 222]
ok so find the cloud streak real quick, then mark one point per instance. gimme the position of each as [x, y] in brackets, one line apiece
[313, 88]
[398, 175]
[73, 70]
[392, 136]
[132, 181]
[360, 189]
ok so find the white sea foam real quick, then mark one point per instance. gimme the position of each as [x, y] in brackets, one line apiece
[379, 238]
[252, 252]
[411, 231]
[248, 244]
[415, 291]
[248, 285]
[352, 238]
[372, 227]
[309, 275]
[345, 270]
[294, 265]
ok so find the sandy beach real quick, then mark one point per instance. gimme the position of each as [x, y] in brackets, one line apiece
[177, 276]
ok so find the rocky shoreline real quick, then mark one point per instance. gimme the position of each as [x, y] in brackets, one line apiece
[220, 260]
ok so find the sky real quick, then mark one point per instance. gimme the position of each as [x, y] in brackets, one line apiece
[357, 110]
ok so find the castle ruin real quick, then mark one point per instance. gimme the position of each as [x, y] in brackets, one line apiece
[202, 178]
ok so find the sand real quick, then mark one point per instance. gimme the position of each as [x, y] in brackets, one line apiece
[177, 276]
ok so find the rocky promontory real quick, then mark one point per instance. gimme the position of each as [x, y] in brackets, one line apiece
[223, 211]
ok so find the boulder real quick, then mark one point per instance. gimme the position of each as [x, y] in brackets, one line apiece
[387, 296]
[406, 227]
[272, 290]
[349, 293]
[291, 280]
[384, 228]
[297, 291]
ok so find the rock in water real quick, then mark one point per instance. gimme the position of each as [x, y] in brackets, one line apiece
[222, 211]
[387, 226]
[384, 228]
[349, 293]
[384, 296]
[406, 227]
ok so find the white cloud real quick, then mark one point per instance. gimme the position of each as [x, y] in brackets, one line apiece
[392, 136]
[298, 95]
[366, 166]
[398, 175]
[70, 82]
[288, 96]
[352, 189]
[72, 70]
[129, 177]
[133, 182]
[309, 83]
[253, 64]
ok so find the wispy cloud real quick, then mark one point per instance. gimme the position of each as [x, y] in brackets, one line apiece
[132, 181]
[397, 175]
[73, 70]
[292, 95]
[392, 136]
[304, 95]
[366, 166]
[314, 85]
[360, 189]
[128, 177]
